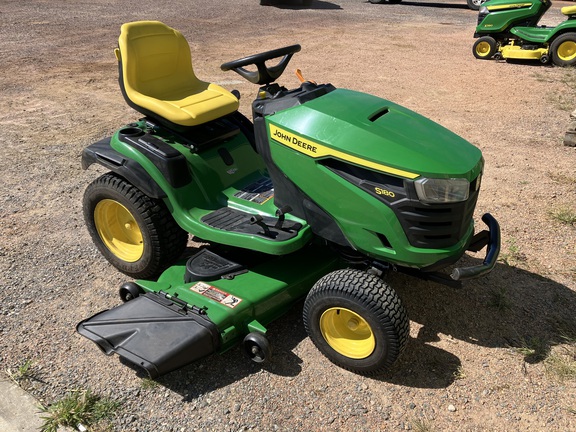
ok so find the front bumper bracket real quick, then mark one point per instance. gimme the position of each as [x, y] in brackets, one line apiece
[491, 239]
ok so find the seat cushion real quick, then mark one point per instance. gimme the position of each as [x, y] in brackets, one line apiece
[190, 107]
[158, 76]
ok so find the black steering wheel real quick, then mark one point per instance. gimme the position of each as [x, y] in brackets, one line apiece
[264, 74]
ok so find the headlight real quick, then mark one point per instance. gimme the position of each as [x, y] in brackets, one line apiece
[483, 10]
[442, 190]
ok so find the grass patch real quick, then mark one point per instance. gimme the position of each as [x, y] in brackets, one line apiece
[499, 299]
[459, 373]
[80, 407]
[562, 102]
[543, 77]
[513, 254]
[562, 179]
[561, 364]
[421, 425]
[565, 99]
[564, 215]
[534, 350]
[148, 384]
[23, 372]
[569, 79]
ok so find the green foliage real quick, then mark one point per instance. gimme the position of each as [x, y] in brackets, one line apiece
[78, 407]
[562, 179]
[22, 372]
[499, 299]
[534, 350]
[562, 364]
[564, 215]
[459, 373]
[513, 254]
[421, 425]
[148, 383]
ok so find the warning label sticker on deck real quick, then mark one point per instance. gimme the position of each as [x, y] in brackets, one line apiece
[216, 294]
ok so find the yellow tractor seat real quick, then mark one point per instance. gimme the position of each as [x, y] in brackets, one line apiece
[568, 10]
[157, 79]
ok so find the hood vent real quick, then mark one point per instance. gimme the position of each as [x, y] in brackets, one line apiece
[378, 114]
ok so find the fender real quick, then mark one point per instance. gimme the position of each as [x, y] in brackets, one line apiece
[102, 153]
[564, 27]
[543, 35]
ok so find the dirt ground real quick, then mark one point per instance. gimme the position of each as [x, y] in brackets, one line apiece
[479, 359]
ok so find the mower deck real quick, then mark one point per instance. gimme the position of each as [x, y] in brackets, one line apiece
[205, 305]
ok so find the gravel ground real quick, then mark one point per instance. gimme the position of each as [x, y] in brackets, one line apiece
[464, 367]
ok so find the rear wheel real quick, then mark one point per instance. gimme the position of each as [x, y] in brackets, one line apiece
[134, 232]
[563, 50]
[356, 320]
[484, 48]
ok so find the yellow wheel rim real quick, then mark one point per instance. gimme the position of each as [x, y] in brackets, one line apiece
[567, 51]
[119, 230]
[347, 333]
[483, 49]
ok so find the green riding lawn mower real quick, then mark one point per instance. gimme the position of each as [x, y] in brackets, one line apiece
[322, 194]
[508, 29]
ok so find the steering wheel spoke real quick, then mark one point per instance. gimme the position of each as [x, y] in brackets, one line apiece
[264, 74]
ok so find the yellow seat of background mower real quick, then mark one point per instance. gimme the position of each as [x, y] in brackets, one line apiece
[157, 74]
[568, 10]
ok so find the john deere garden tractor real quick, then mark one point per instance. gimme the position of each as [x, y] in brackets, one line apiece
[316, 198]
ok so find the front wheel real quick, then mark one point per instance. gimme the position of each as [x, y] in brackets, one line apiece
[134, 232]
[484, 48]
[563, 50]
[474, 4]
[356, 320]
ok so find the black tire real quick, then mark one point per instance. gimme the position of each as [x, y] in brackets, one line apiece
[357, 321]
[377, 1]
[563, 50]
[134, 232]
[484, 48]
[129, 291]
[474, 4]
[257, 347]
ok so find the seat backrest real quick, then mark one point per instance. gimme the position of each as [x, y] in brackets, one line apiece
[155, 60]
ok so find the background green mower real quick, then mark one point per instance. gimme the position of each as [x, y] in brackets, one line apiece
[318, 197]
[508, 29]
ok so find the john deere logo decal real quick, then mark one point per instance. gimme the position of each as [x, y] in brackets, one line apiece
[294, 141]
[315, 150]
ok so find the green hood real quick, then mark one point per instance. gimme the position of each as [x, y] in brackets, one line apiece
[368, 128]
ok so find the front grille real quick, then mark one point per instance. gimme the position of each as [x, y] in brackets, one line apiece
[435, 226]
[430, 226]
[481, 17]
